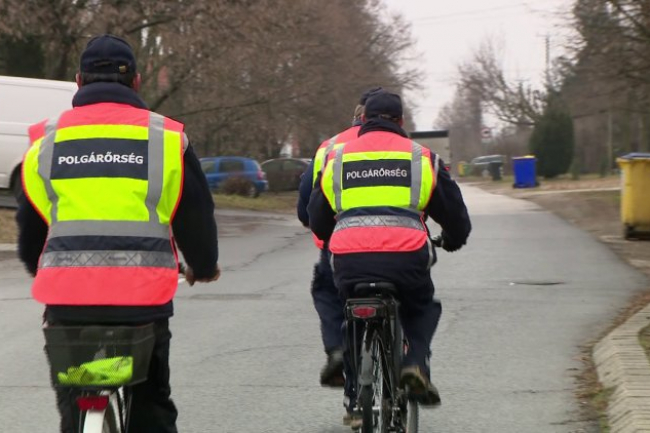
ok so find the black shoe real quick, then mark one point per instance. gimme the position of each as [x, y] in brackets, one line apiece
[332, 373]
[419, 387]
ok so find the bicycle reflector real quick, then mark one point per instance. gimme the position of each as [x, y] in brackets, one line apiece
[92, 402]
[364, 312]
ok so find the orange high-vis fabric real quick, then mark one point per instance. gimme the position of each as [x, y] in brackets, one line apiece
[379, 186]
[107, 179]
[320, 159]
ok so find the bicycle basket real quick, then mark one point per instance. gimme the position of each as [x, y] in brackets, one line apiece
[98, 356]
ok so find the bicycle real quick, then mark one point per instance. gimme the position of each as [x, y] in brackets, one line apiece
[384, 405]
[376, 359]
[101, 363]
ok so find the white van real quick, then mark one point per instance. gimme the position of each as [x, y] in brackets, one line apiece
[23, 102]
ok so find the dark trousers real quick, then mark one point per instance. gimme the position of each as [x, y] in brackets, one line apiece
[152, 410]
[419, 314]
[328, 303]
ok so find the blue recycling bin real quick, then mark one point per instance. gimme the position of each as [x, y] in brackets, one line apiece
[524, 169]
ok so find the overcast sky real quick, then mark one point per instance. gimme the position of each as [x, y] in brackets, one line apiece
[447, 32]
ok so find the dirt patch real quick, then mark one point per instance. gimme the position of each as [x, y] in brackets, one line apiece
[592, 204]
[282, 202]
[8, 229]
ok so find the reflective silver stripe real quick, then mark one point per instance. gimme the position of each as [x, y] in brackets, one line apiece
[436, 166]
[338, 176]
[378, 221]
[109, 228]
[108, 258]
[416, 174]
[186, 142]
[45, 156]
[156, 158]
[328, 149]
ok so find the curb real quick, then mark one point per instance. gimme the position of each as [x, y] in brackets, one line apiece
[9, 247]
[623, 366]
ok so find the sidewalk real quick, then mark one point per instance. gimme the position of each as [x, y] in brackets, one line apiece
[623, 366]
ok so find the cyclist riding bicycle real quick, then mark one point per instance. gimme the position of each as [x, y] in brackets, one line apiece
[370, 203]
[326, 297]
[106, 184]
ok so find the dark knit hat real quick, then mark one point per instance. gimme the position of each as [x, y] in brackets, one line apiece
[368, 93]
[385, 105]
[107, 54]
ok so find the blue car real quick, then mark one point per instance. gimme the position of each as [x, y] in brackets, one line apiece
[217, 169]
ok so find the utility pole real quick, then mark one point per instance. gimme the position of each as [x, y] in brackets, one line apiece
[548, 60]
[610, 140]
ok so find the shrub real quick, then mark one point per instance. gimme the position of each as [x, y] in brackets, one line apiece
[237, 186]
[552, 141]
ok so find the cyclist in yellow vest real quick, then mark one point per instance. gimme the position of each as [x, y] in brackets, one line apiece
[370, 204]
[106, 185]
[326, 297]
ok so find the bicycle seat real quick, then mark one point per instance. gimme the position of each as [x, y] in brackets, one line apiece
[379, 288]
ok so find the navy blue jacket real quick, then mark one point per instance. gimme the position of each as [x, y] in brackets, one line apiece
[194, 227]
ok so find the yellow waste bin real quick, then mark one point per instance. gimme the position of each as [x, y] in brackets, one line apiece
[635, 194]
[461, 168]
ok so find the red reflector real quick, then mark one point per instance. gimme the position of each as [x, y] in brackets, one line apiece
[364, 312]
[92, 402]
[261, 175]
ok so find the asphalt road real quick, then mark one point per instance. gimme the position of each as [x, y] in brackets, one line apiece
[518, 302]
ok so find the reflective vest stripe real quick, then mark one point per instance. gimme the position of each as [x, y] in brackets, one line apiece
[120, 228]
[328, 149]
[416, 175]
[45, 157]
[77, 259]
[337, 178]
[156, 158]
[87, 132]
[378, 221]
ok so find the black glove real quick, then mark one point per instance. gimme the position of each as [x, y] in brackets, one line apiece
[443, 241]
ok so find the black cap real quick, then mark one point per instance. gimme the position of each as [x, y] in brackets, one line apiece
[384, 104]
[107, 54]
[368, 93]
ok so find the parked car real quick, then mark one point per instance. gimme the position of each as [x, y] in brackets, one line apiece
[284, 173]
[218, 169]
[480, 166]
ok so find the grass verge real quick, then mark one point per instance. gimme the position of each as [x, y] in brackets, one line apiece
[8, 229]
[283, 202]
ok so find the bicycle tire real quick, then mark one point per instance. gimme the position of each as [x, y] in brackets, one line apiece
[102, 421]
[412, 417]
[373, 395]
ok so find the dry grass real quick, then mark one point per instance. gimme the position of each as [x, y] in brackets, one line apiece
[8, 229]
[284, 202]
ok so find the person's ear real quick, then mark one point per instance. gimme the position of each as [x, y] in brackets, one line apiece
[363, 118]
[77, 78]
[137, 82]
[400, 122]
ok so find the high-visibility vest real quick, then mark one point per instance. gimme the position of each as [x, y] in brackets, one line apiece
[379, 186]
[107, 179]
[320, 159]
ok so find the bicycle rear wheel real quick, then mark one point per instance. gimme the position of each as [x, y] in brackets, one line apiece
[103, 421]
[374, 393]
